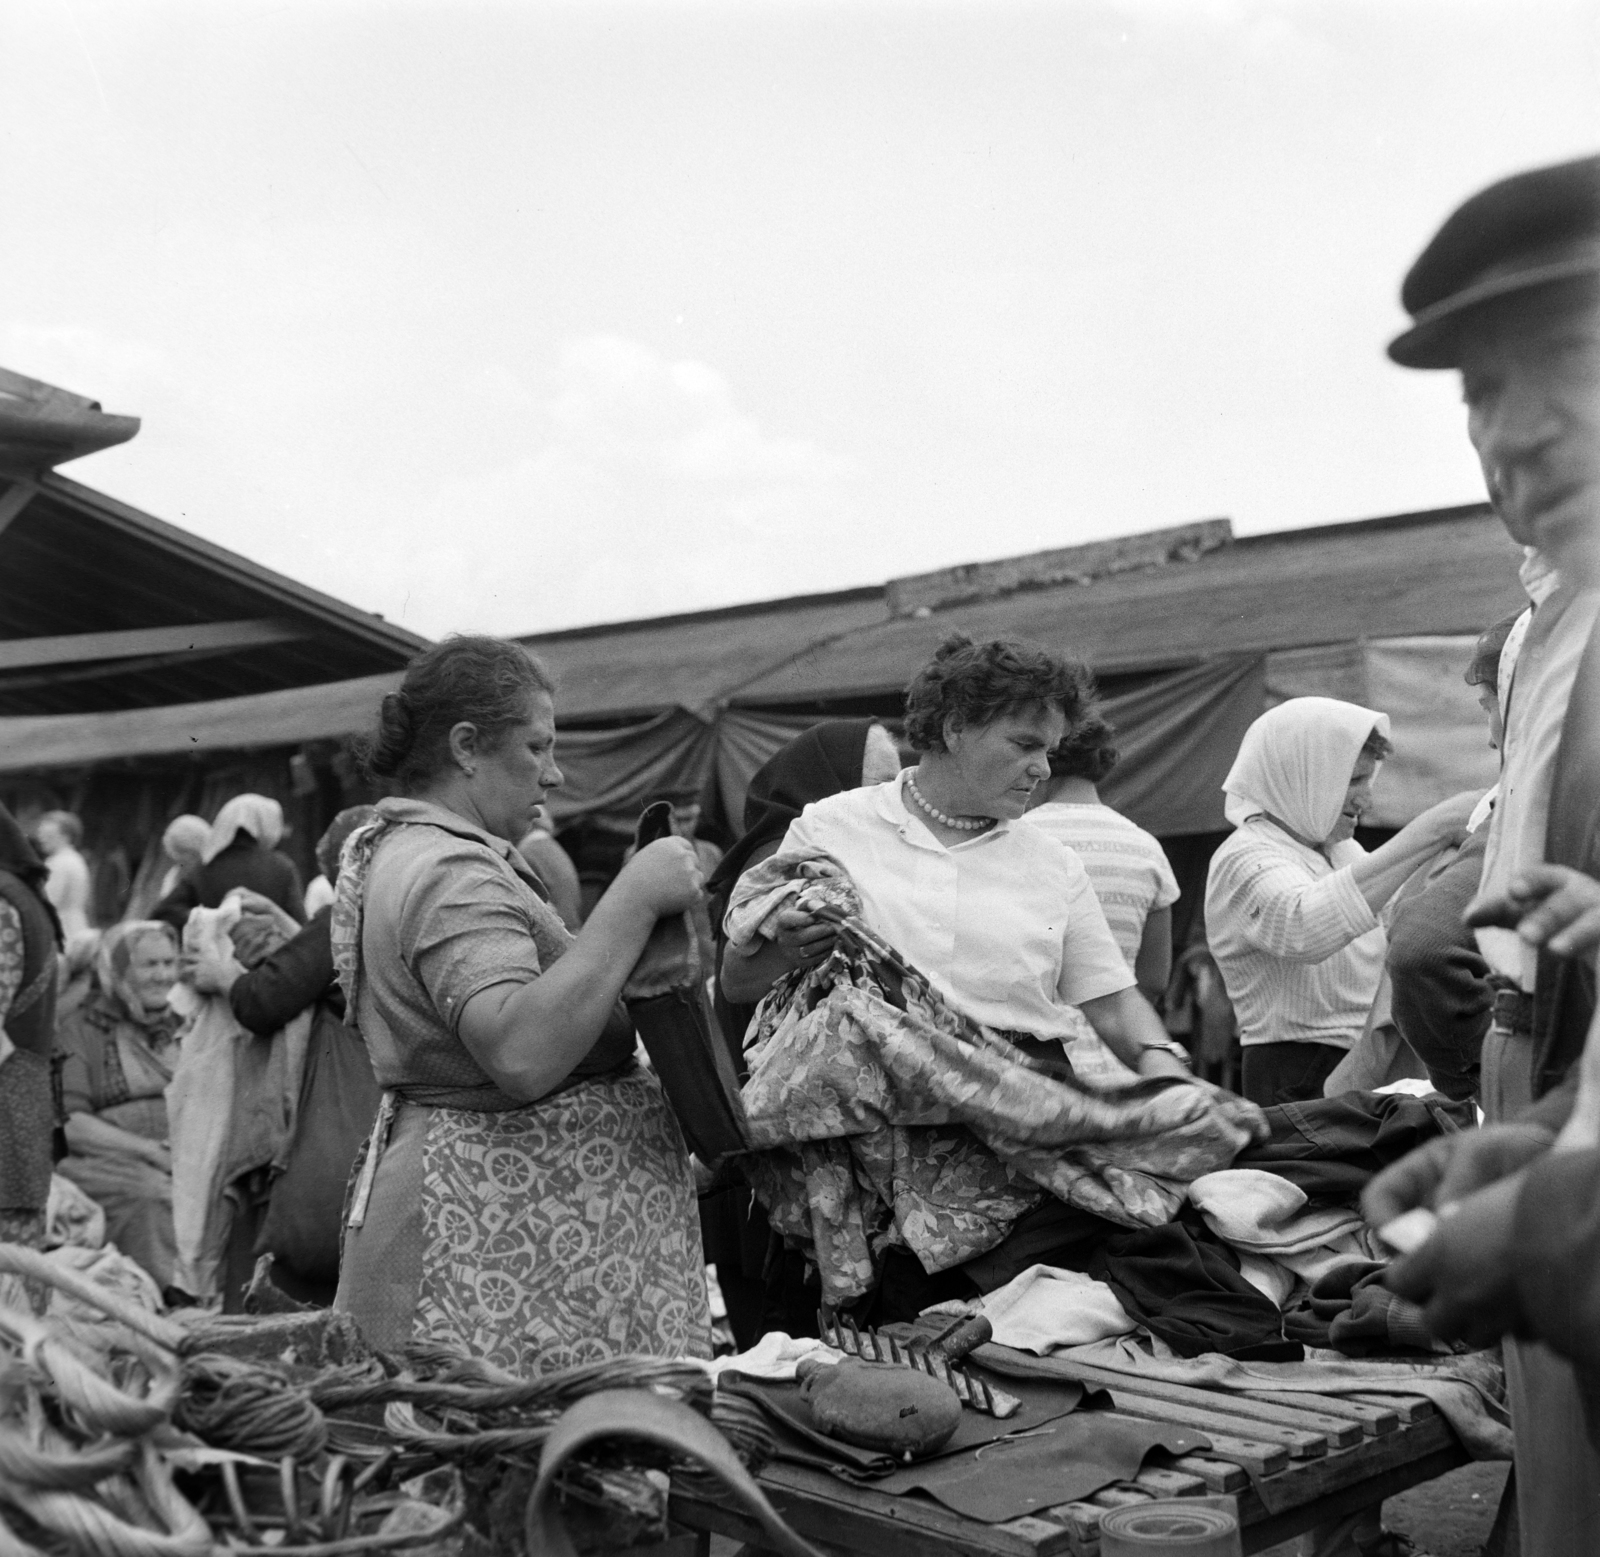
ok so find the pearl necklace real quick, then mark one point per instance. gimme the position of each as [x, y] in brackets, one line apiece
[960, 824]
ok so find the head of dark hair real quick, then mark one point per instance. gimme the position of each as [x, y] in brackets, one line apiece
[977, 683]
[1087, 751]
[1484, 671]
[481, 681]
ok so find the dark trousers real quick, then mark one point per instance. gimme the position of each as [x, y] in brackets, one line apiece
[1276, 1073]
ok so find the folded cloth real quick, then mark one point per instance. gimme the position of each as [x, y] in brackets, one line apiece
[1045, 1309]
[1350, 1310]
[1469, 1389]
[880, 1114]
[1264, 1215]
[1186, 1290]
[1332, 1146]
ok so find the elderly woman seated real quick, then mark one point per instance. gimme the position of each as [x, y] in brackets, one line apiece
[924, 954]
[116, 1055]
[1292, 900]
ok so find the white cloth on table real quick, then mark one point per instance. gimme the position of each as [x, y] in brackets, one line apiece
[1004, 924]
[1264, 1215]
[1045, 1309]
[775, 1356]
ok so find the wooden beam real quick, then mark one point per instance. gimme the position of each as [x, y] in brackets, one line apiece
[14, 499]
[84, 648]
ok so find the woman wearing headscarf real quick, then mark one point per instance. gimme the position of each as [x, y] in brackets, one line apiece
[338, 1092]
[183, 843]
[1292, 900]
[30, 935]
[241, 850]
[116, 1055]
[827, 759]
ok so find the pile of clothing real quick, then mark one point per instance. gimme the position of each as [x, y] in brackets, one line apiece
[880, 1115]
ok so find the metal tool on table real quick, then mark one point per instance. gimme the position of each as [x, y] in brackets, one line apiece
[937, 1357]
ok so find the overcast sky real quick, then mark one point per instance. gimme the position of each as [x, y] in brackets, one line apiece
[521, 316]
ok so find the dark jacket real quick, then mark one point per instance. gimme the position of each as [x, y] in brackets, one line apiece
[298, 974]
[1439, 981]
[244, 863]
[1564, 989]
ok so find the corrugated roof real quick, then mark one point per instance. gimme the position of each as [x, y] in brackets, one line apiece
[1447, 571]
[74, 561]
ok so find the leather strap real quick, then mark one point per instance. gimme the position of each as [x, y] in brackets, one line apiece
[637, 1413]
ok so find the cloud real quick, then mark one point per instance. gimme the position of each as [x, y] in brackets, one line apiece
[648, 490]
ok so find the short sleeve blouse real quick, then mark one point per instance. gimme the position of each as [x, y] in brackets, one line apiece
[446, 916]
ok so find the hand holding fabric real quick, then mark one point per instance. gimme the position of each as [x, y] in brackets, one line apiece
[1452, 1167]
[1464, 1276]
[803, 939]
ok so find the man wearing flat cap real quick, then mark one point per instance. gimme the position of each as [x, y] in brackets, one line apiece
[1508, 293]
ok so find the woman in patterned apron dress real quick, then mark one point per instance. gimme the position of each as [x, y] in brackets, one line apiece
[525, 1194]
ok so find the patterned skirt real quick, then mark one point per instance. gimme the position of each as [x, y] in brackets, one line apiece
[561, 1233]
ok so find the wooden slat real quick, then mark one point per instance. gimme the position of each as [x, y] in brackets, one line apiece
[1218, 1475]
[1304, 1415]
[1375, 1420]
[1409, 1408]
[1172, 1483]
[1356, 1478]
[1301, 1443]
[84, 648]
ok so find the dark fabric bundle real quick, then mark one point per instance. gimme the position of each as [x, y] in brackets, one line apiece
[1332, 1146]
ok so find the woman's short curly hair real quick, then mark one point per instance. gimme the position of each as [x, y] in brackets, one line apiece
[977, 683]
[478, 680]
[1088, 750]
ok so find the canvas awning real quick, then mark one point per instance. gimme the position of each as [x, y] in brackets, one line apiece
[1178, 733]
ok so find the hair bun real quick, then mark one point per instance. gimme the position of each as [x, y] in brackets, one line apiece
[391, 744]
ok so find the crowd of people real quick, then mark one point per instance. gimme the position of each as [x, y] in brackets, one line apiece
[938, 962]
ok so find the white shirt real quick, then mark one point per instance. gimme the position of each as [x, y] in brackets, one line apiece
[1127, 868]
[1299, 948]
[67, 886]
[1004, 924]
[1546, 668]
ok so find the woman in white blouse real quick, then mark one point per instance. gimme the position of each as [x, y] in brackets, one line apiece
[1292, 900]
[999, 917]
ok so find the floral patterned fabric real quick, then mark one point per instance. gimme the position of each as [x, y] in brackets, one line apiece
[881, 1115]
[562, 1233]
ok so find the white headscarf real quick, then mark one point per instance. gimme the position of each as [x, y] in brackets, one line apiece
[1295, 763]
[253, 814]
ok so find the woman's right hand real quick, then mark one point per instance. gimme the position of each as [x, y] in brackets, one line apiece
[802, 940]
[663, 877]
[1448, 819]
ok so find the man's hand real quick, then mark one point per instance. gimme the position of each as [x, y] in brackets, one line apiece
[1464, 1275]
[1451, 1167]
[1547, 905]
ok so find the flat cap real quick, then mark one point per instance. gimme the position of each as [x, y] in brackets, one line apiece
[1526, 231]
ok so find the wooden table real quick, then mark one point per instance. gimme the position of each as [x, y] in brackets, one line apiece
[1325, 1456]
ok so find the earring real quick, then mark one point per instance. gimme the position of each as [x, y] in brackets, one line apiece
[468, 771]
